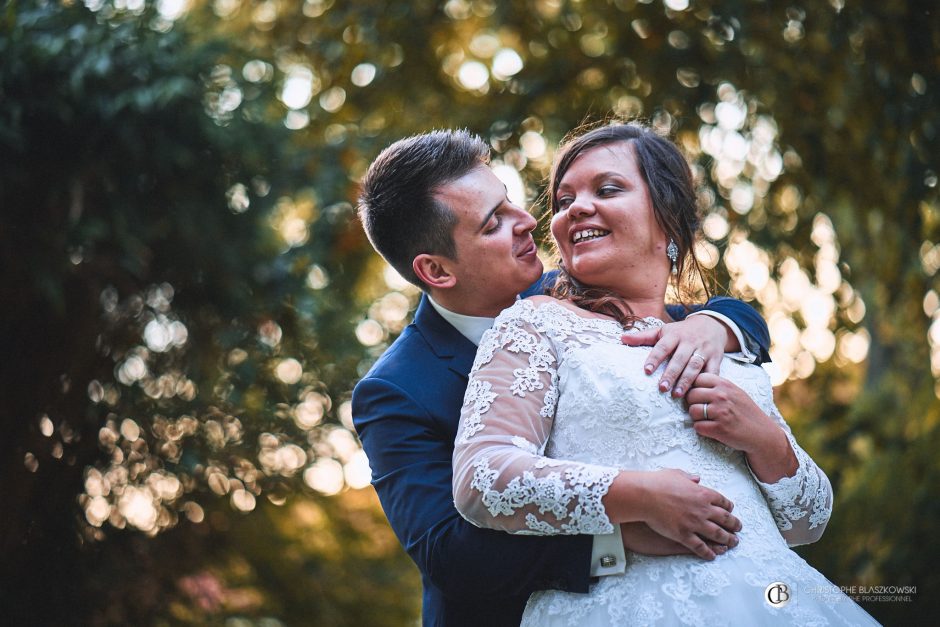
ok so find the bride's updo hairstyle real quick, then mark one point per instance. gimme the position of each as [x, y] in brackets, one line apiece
[675, 206]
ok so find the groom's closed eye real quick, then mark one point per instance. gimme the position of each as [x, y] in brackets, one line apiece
[487, 225]
[493, 225]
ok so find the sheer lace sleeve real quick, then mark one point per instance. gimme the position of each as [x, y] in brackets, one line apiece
[502, 478]
[801, 504]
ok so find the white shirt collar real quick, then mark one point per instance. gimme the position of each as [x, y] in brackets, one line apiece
[471, 327]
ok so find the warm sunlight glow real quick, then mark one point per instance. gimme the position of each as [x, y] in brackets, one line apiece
[515, 189]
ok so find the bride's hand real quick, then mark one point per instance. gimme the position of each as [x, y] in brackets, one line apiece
[722, 411]
[692, 346]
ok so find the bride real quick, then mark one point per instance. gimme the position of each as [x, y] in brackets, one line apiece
[552, 380]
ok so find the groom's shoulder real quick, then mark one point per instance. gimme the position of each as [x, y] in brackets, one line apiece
[542, 285]
[407, 354]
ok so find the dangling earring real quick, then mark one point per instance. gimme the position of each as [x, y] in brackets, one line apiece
[672, 251]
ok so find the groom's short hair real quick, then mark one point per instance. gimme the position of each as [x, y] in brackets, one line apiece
[398, 206]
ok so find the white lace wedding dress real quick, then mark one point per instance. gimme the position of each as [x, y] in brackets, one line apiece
[549, 384]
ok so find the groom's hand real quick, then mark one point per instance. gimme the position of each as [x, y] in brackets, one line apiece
[692, 346]
[638, 537]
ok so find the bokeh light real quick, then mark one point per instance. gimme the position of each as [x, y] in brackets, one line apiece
[325, 476]
[363, 74]
[289, 370]
[506, 63]
[473, 75]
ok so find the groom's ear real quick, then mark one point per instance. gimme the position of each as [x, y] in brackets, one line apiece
[434, 271]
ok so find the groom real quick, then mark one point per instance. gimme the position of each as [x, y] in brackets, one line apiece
[436, 212]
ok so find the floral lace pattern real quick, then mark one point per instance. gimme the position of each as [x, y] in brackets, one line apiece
[549, 497]
[550, 385]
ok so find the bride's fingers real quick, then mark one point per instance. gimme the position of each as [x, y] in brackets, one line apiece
[707, 380]
[697, 413]
[677, 363]
[662, 346]
[642, 338]
[726, 521]
[719, 500]
[716, 535]
[698, 396]
[722, 528]
[693, 367]
[698, 547]
[713, 366]
[665, 345]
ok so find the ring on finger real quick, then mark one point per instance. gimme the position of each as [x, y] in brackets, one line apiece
[697, 354]
[705, 411]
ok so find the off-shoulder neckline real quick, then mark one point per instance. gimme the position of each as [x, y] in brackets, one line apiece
[640, 325]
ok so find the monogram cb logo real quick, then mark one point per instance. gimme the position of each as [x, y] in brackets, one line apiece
[777, 594]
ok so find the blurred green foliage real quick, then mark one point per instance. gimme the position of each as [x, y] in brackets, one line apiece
[187, 299]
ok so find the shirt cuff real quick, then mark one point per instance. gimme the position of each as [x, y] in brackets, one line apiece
[745, 355]
[607, 554]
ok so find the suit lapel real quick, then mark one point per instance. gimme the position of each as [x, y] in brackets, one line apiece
[446, 341]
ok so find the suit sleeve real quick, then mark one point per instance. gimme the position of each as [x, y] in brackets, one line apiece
[751, 324]
[411, 471]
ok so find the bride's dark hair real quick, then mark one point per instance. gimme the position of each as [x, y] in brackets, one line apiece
[675, 207]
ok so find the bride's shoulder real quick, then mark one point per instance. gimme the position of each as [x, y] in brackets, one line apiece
[566, 309]
[547, 313]
[533, 309]
[541, 300]
[550, 306]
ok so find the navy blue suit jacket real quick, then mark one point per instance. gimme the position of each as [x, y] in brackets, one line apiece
[406, 411]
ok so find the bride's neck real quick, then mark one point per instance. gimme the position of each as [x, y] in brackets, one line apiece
[648, 308]
[646, 299]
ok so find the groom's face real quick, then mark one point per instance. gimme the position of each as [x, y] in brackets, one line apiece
[496, 255]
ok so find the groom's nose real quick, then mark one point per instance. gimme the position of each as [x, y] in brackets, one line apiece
[525, 223]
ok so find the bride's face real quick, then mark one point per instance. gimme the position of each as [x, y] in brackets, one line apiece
[605, 229]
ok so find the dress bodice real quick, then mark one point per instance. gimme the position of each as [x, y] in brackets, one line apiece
[549, 384]
[557, 406]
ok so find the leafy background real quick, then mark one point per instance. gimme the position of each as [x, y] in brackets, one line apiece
[187, 299]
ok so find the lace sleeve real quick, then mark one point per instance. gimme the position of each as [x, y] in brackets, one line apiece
[502, 478]
[801, 504]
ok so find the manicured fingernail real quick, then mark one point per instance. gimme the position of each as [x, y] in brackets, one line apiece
[648, 368]
[678, 392]
[663, 386]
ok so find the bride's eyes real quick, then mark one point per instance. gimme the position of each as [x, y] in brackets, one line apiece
[603, 191]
